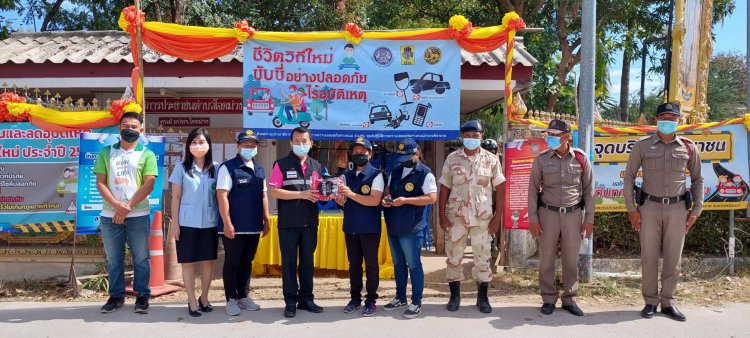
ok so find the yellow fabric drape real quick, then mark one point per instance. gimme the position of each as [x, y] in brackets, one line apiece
[330, 253]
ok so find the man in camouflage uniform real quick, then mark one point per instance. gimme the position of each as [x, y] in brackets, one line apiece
[662, 217]
[470, 177]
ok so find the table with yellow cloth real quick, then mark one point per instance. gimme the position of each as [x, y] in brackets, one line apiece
[330, 252]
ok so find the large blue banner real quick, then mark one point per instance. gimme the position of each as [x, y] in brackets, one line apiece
[380, 89]
[89, 199]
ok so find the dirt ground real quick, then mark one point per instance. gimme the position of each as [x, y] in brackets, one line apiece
[708, 288]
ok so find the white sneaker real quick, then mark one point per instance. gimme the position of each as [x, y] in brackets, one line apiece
[248, 304]
[233, 309]
[413, 311]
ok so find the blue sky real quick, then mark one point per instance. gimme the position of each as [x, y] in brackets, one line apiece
[730, 36]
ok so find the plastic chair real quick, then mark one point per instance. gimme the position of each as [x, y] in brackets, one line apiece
[427, 233]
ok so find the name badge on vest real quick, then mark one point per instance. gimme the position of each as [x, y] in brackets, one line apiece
[365, 189]
[243, 180]
[291, 174]
[409, 187]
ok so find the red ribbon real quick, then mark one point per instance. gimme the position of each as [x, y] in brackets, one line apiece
[354, 29]
[245, 27]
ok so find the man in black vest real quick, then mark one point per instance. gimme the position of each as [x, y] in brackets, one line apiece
[243, 207]
[291, 183]
[360, 198]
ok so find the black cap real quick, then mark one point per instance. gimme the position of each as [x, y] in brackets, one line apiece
[471, 125]
[246, 135]
[558, 126]
[361, 141]
[668, 108]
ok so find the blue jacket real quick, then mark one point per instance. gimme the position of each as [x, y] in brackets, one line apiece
[245, 197]
[358, 218]
[407, 218]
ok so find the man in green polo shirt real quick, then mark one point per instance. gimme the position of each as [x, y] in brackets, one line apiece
[125, 175]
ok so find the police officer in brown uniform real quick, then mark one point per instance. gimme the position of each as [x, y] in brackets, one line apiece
[564, 214]
[662, 217]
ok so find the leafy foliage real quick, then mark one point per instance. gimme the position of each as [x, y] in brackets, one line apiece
[727, 86]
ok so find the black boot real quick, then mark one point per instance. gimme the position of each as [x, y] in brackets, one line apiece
[482, 301]
[455, 300]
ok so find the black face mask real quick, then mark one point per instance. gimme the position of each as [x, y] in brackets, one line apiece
[129, 135]
[410, 163]
[360, 160]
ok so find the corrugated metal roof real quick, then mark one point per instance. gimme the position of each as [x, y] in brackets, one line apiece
[114, 47]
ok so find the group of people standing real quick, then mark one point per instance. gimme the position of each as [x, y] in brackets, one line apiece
[230, 201]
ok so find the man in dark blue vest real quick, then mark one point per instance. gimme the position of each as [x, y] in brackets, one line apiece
[243, 207]
[411, 187]
[360, 198]
[292, 182]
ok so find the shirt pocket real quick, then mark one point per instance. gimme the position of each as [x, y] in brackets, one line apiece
[551, 174]
[484, 176]
[653, 159]
[458, 175]
[574, 173]
[679, 161]
[188, 215]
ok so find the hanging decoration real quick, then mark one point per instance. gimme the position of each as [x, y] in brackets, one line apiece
[646, 128]
[14, 108]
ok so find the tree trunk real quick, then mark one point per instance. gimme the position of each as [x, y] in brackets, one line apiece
[51, 14]
[157, 9]
[179, 12]
[625, 77]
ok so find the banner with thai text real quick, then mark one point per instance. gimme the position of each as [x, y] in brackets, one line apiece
[724, 157]
[380, 89]
[38, 178]
[89, 199]
[519, 155]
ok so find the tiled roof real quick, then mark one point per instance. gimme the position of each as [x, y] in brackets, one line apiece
[114, 47]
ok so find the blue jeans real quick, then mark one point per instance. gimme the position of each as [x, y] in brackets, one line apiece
[405, 250]
[135, 231]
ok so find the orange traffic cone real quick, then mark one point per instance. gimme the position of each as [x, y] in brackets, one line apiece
[156, 250]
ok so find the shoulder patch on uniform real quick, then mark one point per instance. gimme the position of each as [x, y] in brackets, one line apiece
[645, 138]
[578, 150]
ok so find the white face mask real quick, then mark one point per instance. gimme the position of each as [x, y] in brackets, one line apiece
[199, 149]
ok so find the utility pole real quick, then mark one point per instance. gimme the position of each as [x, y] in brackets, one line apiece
[586, 116]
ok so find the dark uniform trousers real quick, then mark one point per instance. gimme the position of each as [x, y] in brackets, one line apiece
[563, 230]
[663, 230]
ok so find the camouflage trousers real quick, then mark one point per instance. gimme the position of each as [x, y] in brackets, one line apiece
[481, 245]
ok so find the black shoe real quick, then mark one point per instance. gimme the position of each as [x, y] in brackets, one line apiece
[548, 308]
[573, 309]
[310, 307]
[113, 303]
[141, 305]
[193, 313]
[648, 311]
[483, 302]
[204, 308]
[455, 301]
[673, 313]
[290, 311]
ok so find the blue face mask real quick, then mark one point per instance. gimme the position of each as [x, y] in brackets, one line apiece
[472, 143]
[300, 150]
[553, 142]
[666, 127]
[248, 153]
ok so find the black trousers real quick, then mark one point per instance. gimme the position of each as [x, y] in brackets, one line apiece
[295, 242]
[238, 264]
[359, 247]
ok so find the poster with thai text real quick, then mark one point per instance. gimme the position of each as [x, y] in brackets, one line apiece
[519, 155]
[89, 199]
[380, 89]
[38, 179]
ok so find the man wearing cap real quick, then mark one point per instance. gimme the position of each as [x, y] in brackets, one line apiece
[411, 187]
[469, 177]
[292, 183]
[564, 214]
[662, 217]
[243, 207]
[360, 198]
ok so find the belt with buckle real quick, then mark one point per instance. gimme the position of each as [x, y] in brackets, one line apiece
[560, 210]
[664, 200]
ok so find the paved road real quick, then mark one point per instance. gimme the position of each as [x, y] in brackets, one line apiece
[171, 320]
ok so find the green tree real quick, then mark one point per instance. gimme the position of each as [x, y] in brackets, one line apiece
[5, 5]
[727, 86]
